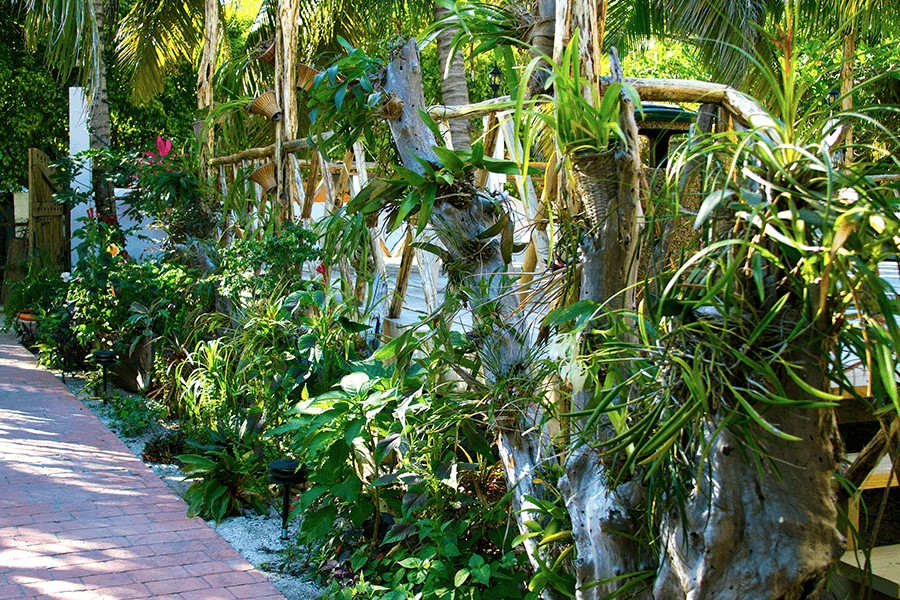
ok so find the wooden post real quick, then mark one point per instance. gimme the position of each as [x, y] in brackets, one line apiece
[287, 22]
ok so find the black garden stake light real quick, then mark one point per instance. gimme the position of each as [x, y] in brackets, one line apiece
[495, 78]
[105, 358]
[286, 472]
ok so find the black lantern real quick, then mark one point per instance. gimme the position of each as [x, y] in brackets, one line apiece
[105, 358]
[286, 472]
[495, 78]
[833, 95]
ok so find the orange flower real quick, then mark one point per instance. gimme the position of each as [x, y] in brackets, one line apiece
[113, 250]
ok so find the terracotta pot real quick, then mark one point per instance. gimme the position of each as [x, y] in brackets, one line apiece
[27, 327]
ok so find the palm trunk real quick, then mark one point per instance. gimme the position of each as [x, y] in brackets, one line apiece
[540, 41]
[104, 198]
[286, 94]
[454, 87]
[848, 66]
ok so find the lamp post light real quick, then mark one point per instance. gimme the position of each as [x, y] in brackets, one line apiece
[495, 78]
[105, 358]
[832, 96]
[287, 472]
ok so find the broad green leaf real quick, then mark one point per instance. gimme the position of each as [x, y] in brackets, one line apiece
[431, 125]
[354, 383]
[581, 311]
[496, 228]
[425, 208]
[710, 203]
[450, 160]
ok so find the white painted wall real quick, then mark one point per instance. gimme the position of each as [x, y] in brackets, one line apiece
[79, 141]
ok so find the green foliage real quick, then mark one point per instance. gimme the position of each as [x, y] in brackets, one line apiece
[106, 284]
[33, 105]
[403, 461]
[344, 100]
[229, 471]
[41, 290]
[134, 415]
[262, 266]
[581, 124]
[162, 185]
[172, 112]
[410, 194]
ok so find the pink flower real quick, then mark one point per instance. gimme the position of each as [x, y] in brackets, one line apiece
[164, 146]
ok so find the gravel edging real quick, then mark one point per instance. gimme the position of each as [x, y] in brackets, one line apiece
[255, 537]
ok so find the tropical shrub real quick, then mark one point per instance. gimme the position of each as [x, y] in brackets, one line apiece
[400, 461]
[229, 469]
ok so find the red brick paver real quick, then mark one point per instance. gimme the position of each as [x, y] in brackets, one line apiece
[81, 517]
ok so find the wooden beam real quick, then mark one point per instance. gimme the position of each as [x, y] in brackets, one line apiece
[288, 147]
[469, 111]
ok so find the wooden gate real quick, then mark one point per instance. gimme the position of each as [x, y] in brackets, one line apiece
[47, 220]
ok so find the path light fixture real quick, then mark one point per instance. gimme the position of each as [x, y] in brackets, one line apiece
[832, 96]
[495, 78]
[286, 472]
[265, 176]
[105, 358]
[267, 106]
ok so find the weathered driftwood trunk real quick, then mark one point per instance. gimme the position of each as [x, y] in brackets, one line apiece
[602, 520]
[458, 220]
[757, 537]
[753, 533]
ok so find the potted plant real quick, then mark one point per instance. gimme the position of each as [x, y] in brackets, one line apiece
[38, 292]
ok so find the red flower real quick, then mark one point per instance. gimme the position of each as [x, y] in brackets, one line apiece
[164, 146]
[320, 269]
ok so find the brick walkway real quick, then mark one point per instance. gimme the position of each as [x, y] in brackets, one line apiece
[81, 517]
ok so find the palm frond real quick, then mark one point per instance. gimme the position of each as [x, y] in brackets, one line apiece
[726, 33]
[153, 38]
[70, 32]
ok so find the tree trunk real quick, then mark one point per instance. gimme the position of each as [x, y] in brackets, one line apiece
[458, 224]
[602, 520]
[540, 42]
[286, 96]
[848, 67]
[104, 197]
[205, 74]
[749, 532]
[454, 87]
